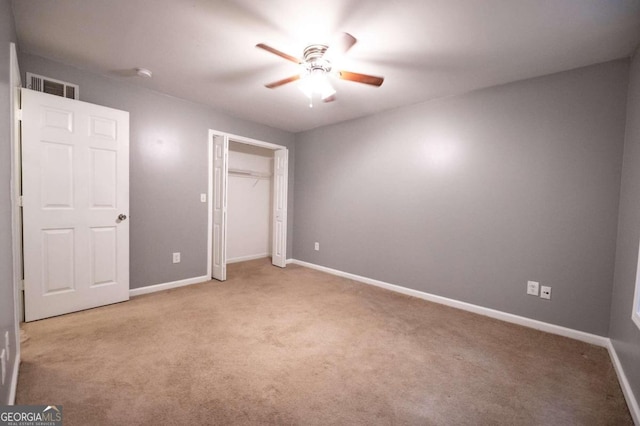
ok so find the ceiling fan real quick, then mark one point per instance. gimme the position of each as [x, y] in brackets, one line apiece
[316, 66]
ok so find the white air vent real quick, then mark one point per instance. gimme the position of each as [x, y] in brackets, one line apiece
[52, 86]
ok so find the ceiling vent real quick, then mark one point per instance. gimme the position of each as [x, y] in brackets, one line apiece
[52, 86]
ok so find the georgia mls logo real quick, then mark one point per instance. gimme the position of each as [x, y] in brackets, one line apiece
[31, 415]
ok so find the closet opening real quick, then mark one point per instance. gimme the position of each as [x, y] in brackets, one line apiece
[247, 201]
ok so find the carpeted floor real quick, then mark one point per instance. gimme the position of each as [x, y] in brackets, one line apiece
[299, 347]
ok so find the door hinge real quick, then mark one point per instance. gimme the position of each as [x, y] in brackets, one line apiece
[19, 114]
[20, 201]
[21, 285]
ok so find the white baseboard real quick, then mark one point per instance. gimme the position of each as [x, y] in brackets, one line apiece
[632, 402]
[167, 286]
[515, 319]
[290, 261]
[245, 258]
[13, 385]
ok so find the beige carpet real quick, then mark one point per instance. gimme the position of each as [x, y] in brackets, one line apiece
[300, 347]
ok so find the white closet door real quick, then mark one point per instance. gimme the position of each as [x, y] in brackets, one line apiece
[280, 167]
[220, 166]
[75, 164]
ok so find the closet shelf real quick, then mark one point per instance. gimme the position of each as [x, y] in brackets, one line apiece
[249, 174]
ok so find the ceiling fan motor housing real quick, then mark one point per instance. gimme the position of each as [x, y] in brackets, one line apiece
[314, 59]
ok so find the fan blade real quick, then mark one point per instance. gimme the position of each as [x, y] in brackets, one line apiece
[340, 46]
[361, 78]
[279, 53]
[282, 82]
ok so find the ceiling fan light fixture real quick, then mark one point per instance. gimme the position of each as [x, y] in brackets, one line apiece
[316, 83]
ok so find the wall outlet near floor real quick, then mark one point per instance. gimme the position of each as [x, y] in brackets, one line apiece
[316, 246]
[3, 361]
[176, 257]
[545, 292]
[203, 198]
[532, 287]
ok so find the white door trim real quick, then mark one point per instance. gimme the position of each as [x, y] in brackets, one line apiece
[245, 140]
[235, 138]
[15, 84]
[209, 202]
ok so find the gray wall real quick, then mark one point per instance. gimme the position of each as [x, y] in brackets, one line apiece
[471, 196]
[168, 169]
[623, 332]
[7, 318]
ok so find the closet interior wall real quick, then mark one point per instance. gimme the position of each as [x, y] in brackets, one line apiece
[249, 203]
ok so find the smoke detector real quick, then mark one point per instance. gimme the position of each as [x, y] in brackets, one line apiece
[143, 72]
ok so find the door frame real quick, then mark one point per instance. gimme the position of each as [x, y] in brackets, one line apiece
[233, 138]
[16, 178]
[15, 84]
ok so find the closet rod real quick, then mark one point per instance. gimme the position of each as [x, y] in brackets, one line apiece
[249, 173]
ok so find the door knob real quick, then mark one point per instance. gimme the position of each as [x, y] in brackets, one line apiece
[122, 217]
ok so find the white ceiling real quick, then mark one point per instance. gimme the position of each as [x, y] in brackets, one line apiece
[204, 50]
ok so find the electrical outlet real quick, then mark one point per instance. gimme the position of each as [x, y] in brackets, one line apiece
[7, 345]
[176, 257]
[532, 288]
[545, 292]
[3, 361]
[316, 246]
[203, 198]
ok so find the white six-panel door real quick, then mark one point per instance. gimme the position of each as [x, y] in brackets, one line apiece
[279, 249]
[75, 164]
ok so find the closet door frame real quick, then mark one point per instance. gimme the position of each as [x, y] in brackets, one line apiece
[281, 237]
